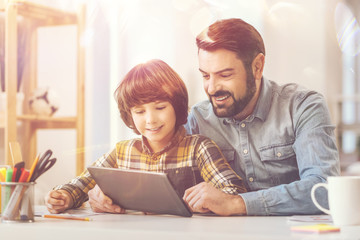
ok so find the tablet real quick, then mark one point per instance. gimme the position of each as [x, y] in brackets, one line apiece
[140, 190]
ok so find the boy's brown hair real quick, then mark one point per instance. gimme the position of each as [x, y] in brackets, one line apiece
[148, 82]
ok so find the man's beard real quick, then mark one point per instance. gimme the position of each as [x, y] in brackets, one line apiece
[238, 105]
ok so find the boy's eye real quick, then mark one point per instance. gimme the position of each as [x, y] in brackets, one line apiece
[139, 111]
[160, 107]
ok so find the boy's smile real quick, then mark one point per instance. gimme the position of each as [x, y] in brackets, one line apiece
[156, 122]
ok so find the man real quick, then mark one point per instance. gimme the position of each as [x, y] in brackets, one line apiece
[279, 139]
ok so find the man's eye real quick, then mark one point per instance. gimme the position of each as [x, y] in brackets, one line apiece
[226, 75]
[206, 77]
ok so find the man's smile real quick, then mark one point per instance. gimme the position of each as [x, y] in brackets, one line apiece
[220, 97]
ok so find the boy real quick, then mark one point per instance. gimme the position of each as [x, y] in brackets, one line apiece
[153, 101]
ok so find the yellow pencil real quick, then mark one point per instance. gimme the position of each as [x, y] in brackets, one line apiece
[66, 217]
[33, 167]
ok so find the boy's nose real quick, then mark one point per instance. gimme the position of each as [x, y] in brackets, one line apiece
[150, 118]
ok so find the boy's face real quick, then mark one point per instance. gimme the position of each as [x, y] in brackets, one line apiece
[155, 121]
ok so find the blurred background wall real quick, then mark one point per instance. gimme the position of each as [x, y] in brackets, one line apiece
[311, 42]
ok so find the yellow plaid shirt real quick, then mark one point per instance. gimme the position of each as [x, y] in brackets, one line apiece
[195, 152]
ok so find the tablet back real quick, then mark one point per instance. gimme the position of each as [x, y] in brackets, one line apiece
[140, 190]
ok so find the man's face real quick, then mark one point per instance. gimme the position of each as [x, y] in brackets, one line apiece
[228, 84]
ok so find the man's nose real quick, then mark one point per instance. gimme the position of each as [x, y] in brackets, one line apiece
[211, 86]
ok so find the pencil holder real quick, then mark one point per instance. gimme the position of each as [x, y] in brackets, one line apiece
[17, 202]
[3, 169]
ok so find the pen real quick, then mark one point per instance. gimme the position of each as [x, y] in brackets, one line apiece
[24, 176]
[2, 174]
[9, 174]
[14, 174]
[18, 168]
[7, 191]
[65, 217]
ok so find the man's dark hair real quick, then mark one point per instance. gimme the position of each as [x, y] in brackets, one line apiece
[234, 35]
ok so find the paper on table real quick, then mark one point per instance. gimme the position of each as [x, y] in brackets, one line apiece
[80, 212]
[310, 218]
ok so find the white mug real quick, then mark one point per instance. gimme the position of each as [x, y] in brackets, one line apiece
[344, 199]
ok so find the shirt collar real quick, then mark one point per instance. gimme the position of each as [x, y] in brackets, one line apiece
[262, 106]
[179, 135]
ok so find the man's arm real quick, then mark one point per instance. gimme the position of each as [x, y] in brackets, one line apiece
[204, 197]
[316, 155]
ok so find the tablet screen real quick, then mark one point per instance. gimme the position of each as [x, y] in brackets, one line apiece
[140, 190]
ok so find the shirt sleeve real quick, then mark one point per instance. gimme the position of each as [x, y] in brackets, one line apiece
[317, 158]
[81, 185]
[215, 169]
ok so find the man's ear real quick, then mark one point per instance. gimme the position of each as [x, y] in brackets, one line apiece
[258, 66]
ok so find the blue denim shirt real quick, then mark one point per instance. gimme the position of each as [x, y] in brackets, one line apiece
[281, 150]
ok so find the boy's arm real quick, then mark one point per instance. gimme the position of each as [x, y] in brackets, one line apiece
[99, 202]
[79, 187]
[215, 169]
[58, 201]
[219, 192]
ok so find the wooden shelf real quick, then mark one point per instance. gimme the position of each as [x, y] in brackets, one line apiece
[355, 127]
[38, 16]
[44, 122]
[49, 122]
[43, 15]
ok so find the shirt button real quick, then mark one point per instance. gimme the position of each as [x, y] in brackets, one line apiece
[245, 151]
[279, 154]
[177, 171]
[251, 179]
[243, 125]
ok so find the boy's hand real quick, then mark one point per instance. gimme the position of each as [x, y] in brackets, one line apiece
[99, 202]
[58, 201]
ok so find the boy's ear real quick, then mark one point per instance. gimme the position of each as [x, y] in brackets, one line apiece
[258, 66]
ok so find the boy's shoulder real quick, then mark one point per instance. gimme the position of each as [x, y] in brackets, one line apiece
[128, 142]
[197, 138]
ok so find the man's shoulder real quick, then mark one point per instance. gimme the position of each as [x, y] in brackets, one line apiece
[292, 91]
[203, 109]
[203, 114]
[204, 105]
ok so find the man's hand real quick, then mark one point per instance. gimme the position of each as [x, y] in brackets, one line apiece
[58, 201]
[204, 197]
[99, 202]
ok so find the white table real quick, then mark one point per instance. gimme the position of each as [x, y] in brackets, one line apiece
[139, 226]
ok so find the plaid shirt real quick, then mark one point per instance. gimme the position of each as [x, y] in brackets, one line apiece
[194, 152]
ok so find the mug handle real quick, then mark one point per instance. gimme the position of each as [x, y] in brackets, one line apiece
[327, 211]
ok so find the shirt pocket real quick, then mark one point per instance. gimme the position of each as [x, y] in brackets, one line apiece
[280, 163]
